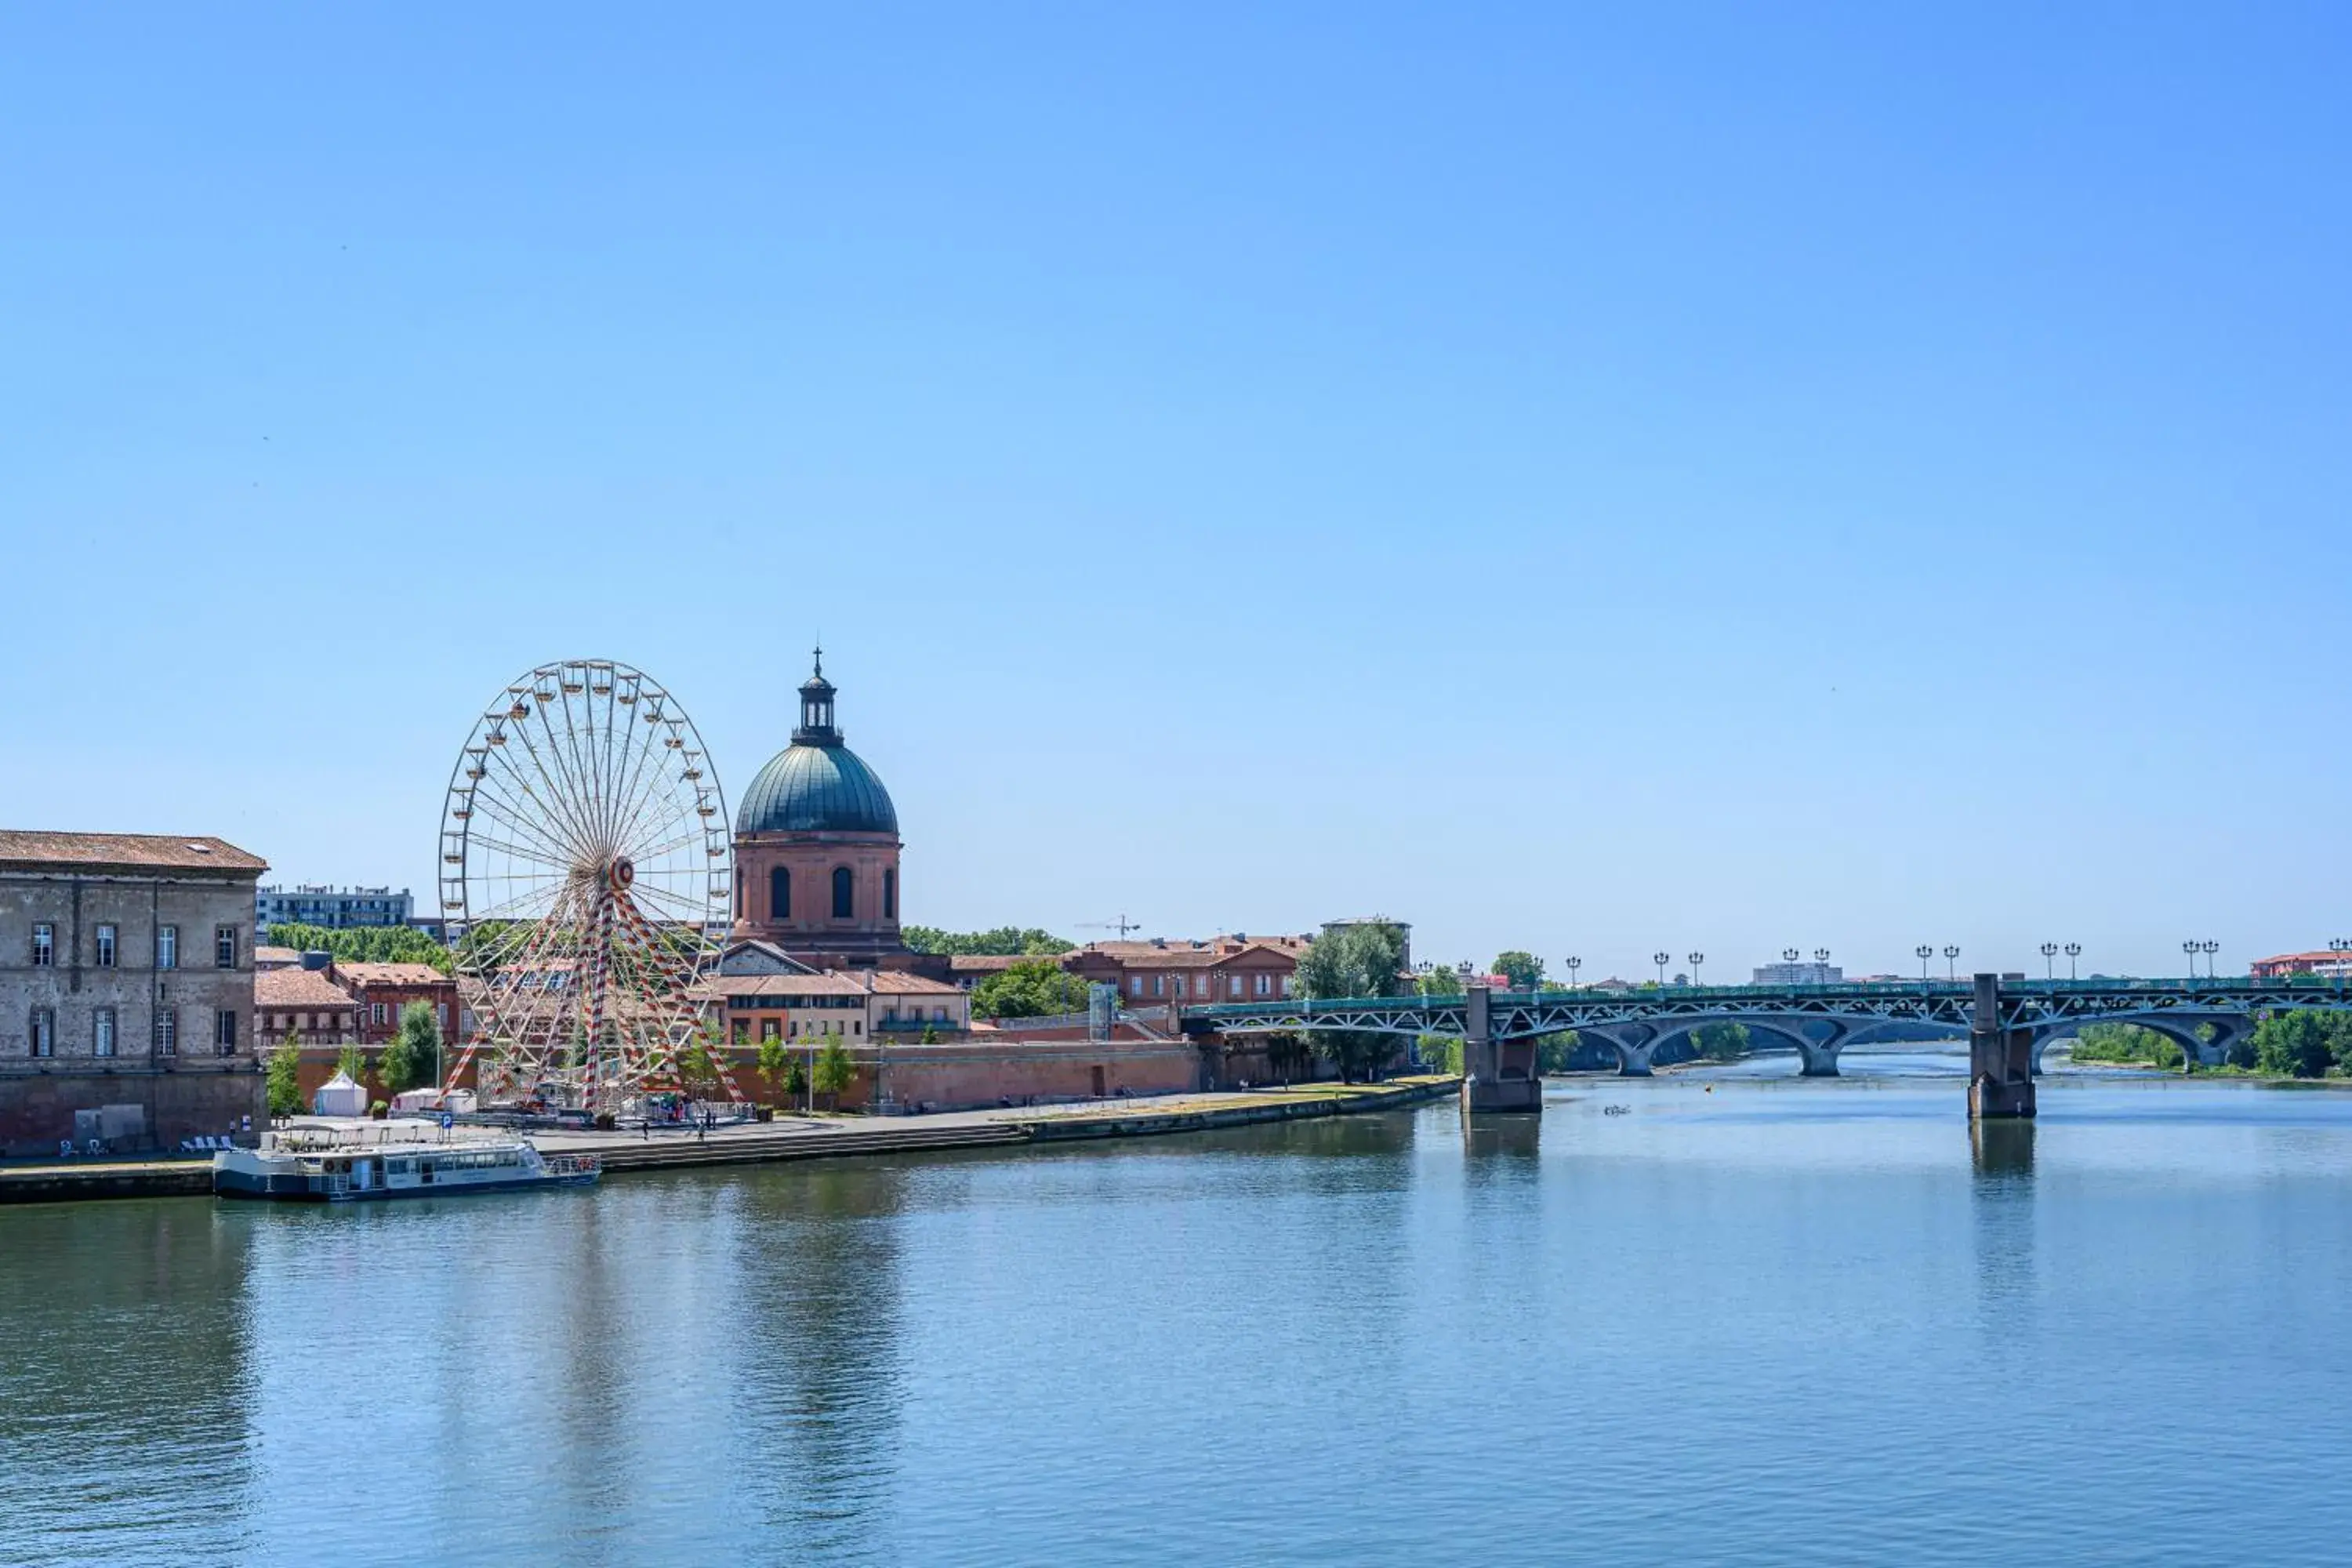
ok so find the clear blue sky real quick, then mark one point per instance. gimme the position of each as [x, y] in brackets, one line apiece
[1587, 479]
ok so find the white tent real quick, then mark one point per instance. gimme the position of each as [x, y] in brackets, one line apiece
[339, 1096]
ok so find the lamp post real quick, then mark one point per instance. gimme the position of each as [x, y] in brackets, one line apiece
[1574, 963]
[2049, 961]
[1696, 959]
[2190, 949]
[2339, 946]
[1951, 962]
[1788, 955]
[2209, 949]
[2073, 951]
[1926, 952]
[1662, 959]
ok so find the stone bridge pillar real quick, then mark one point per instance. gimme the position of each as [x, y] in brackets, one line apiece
[1497, 1075]
[2001, 1059]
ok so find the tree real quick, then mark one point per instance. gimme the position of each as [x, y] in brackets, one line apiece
[369, 944]
[1720, 1042]
[413, 1059]
[1005, 941]
[834, 1071]
[1033, 989]
[777, 1064]
[284, 1079]
[698, 1063]
[1523, 970]
[350, 1061]
[1361, 960]
[1438, 980]
[930, 1036]
[795, 1079]
[2301, 1044]
[1556, 1053]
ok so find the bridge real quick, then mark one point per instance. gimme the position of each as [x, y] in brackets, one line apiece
[2010, 1020]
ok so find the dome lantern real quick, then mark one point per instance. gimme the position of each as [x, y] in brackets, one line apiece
[817, 709]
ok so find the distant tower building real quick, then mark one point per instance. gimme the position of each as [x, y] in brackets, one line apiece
[816, 850]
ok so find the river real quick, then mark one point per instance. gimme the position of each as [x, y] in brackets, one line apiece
[1723, 1316]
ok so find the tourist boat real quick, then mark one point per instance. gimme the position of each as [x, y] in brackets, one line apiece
[346, 1173]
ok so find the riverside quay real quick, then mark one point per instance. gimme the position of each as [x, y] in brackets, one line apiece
[126, 989]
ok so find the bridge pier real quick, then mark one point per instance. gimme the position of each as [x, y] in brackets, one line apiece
[1634, 1044]
[2001, 1058]
[1497, 1075]
[1819, 1058]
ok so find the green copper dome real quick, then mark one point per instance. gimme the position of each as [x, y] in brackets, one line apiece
[816, 789]
[816, 785]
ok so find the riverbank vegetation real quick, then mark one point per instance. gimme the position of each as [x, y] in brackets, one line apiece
[2305, 1043]
[1356, 960]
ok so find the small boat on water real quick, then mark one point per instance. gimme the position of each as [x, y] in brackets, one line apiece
[346, 1173]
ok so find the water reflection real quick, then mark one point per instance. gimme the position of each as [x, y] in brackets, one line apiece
[822, 1385]
[1507, 1139]
[127, 1373]
[2001, 1201]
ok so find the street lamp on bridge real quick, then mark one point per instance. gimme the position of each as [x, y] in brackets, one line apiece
[1788, 955]
[2049, 961]
[2209, 949]
[1822, 955]
[2073, 951]
[2340, 946]
[1574, 963]
[1926, 952]
[1662, 960]
[1696, 959]
[1951, 962]
[2190, 949]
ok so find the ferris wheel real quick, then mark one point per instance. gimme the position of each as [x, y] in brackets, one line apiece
[584, 875]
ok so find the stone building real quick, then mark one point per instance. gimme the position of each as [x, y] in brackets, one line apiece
[857, 1005]
[126, 989]
[816, 852]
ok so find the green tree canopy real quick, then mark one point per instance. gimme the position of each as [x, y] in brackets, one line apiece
[1362, 960]
[1523, 970]
[1438, 980]
[835, 1070]
[284, 1078]
[363, 944]
[1004, 940]
[414, 1057]
[1033, 989]
[2303, 1043]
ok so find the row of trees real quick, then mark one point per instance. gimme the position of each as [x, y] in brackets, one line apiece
[1004, 940]
[410, 1059]
[363, 944]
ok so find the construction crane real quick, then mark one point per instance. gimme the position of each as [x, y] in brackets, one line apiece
[1121, 925]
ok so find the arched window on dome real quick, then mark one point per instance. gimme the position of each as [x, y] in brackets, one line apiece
[843, 903]
[780, 893]
[889, 895]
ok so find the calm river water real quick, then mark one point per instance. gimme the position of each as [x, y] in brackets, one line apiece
[1763, 1322]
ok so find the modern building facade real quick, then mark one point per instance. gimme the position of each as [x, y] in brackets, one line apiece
[1799, 974]
[126, 989]
[335, 907]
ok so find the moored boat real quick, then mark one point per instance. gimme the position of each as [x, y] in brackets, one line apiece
[334, 1174]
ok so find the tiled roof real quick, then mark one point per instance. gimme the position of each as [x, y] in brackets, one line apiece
[297, 987]
[267, 957]
[144, 851]
[894, 982]
[365, 972]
